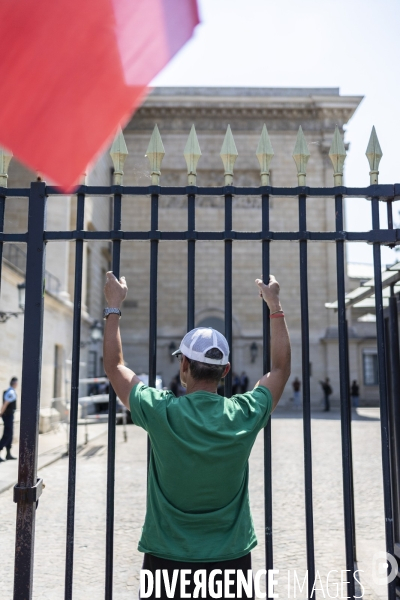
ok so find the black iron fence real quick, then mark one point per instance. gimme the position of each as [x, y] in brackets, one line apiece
[28, 489]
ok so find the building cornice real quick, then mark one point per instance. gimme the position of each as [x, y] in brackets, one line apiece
[177, 112]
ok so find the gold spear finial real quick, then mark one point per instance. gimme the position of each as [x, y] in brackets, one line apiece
[301, 155]
[192, 155]
[229, 155]
[374, 155]
[337, 154]
[118, 154]
[155, 153]
[265, 154]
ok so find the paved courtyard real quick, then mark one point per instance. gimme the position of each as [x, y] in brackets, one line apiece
[288, 497]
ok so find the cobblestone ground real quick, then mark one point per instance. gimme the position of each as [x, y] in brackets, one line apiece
[288, 497]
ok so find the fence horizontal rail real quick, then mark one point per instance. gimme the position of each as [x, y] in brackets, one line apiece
[13, 237]
[382, 192]
[382, 236]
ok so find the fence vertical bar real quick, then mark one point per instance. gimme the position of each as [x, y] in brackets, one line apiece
[345, 408]
[305, 359]
[228, 288]
[191, 264]
[351, 445]
[228, 155]
[112, 410]
[192, 154]
[269, 557]
[30, 391]
[73, 415]
[153, 293]
[395, 404]
[153, 302]
[155, 154]
[383, 392]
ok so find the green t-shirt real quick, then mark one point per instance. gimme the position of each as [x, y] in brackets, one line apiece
[198, 501]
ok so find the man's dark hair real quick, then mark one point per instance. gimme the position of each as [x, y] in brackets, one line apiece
[204, 371]
[13, 380]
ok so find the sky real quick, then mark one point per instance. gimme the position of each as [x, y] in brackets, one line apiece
[350, 44]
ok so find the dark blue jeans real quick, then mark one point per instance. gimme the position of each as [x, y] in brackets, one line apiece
[6, 440]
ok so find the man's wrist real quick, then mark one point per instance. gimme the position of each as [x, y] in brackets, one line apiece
[274, 306]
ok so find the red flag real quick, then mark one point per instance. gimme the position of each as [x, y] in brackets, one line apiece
[73, 70]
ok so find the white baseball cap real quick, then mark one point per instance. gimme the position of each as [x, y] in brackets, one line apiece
[197, 342]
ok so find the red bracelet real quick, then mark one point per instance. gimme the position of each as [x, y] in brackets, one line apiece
[277, 315]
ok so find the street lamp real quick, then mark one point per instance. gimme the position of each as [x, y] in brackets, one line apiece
[96, 331]
[96, 334]
[4, 316]
[21, 295]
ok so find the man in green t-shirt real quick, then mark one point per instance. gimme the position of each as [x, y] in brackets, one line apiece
[198, 523]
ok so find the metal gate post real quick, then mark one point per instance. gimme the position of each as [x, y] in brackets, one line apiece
[74, 404]
[27, 490]
[268, 530]
[345, 407]
[383, 393]
[394, 399]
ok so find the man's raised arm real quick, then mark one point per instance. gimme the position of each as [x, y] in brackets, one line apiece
[276, 379]
[122, 379]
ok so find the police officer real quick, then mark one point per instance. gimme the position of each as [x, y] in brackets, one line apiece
[7, 413]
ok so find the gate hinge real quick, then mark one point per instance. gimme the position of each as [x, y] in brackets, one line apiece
[28, 494]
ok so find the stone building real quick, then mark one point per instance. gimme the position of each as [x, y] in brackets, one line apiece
[175, 110]
[59, 293]
[245, 109]
[360, 305]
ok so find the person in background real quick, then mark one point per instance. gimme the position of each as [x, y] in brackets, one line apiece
[244, 382]
[355, 394]
[104, 387]
[326, 388]
[296, 385]
[7, 413]
[235, 384]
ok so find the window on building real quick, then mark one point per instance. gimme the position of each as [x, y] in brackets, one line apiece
[370, 367]
[58, 365]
